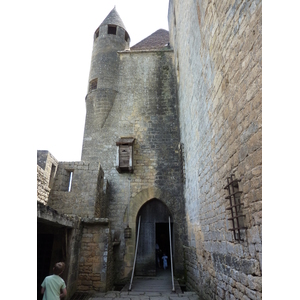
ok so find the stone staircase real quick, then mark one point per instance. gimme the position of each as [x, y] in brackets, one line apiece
[145, 288]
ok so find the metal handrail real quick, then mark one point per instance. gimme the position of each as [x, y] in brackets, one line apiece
[171, 255]
[136, 247]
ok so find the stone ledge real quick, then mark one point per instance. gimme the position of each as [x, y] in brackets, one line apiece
[144, 51]
[47, 214]
[100, 221]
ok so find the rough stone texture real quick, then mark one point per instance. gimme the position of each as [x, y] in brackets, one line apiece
[43, 189]
[48, 214]
[217, 51]
[96, 263]
[87, 192]
[46, 171]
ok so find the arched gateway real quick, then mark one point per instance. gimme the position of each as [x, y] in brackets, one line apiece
[154, 230]
[154, 207]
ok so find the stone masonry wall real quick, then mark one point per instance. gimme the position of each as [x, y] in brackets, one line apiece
[217, 51]
[46, 171]
[74, 243]
[96, 263]
[86, 194]
[144, 107]
[43, 189]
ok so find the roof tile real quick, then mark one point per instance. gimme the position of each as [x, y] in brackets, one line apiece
[157, 40]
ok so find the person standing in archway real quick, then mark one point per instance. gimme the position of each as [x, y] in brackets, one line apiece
[165, 261]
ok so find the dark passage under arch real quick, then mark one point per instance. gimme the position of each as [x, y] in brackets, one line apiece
[154, 230]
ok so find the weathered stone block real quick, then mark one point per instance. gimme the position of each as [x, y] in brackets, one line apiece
[250, 267]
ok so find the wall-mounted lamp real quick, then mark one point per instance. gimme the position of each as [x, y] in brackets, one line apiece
[127, 232]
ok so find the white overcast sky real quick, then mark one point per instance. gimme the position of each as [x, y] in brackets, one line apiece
[47, 60]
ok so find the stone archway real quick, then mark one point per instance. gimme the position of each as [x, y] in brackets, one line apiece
[135, 205]
[154, 230]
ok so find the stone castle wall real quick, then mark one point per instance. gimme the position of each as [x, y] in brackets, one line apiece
[195, 115]
[66, 230]
[217, 51]
[87, 193]
[46, 171]
[96, 262]
[43, 189]
[143, 106]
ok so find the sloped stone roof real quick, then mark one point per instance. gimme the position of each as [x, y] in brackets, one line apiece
[113, 18]
[156, 40]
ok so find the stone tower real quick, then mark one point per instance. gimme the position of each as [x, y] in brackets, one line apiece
[110, 37]
[172, 138]
[131, 117]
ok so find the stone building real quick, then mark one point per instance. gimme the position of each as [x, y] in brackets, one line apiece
[172, 133]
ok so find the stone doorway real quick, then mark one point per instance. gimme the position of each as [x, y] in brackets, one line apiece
[154, 229]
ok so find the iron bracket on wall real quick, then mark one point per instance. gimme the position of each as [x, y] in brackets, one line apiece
[235, 207]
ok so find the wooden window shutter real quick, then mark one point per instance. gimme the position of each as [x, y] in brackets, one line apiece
[125, 154]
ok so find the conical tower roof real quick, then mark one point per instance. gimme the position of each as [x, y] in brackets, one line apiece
[113, 18]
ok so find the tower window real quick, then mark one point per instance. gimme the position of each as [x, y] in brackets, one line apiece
[126, 36]
[96, 34]
[66, 180]
[125, 154]
[70, 173]
[93, 84]
[112, 29]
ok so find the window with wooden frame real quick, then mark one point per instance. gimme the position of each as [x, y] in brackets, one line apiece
[125, 154]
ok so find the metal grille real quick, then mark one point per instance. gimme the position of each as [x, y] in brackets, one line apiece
[235, 207]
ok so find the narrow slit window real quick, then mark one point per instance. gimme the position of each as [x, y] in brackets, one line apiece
[126, 36]
[70, 181]
[112, 29]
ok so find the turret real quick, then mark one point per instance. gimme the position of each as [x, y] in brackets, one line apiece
[109, 38]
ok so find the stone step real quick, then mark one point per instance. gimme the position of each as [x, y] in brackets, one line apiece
[135, 296]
